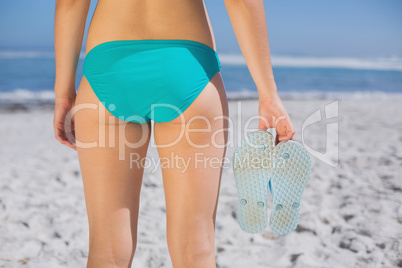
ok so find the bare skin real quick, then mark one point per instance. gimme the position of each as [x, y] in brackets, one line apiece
[111, 185]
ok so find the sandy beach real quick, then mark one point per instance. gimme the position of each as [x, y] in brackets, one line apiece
[351, 214]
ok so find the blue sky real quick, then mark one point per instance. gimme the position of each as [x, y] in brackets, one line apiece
[359, 28]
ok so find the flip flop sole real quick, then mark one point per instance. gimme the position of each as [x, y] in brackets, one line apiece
[252, 167]
[292, 167]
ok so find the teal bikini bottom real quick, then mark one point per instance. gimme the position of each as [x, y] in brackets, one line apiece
[149, 79]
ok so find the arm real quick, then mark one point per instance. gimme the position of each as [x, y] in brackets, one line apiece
[250, 27]
[69, 27]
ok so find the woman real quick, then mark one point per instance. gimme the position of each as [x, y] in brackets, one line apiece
[141, 54]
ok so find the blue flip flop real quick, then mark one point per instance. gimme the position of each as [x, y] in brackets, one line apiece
[290, 173]
[252, 167]
[259, 165]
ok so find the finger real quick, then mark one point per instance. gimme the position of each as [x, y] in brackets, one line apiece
[61, 137]
[69, 144]
[280, 133]
[283, 138]
[62, 132]
[59, 134]
[72, 146]
[262, 125]
[290, 134]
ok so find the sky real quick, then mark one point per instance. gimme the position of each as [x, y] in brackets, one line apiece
[342, 28]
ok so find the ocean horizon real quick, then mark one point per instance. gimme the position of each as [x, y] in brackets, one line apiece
[27, 77]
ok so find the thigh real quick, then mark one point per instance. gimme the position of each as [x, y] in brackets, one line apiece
[109, 151]
[190, 148]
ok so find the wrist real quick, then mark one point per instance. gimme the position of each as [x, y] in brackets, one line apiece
[68, 97]
[65, 92]
[270, 93]
[268, 89]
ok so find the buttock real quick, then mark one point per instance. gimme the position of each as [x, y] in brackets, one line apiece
[151, 79]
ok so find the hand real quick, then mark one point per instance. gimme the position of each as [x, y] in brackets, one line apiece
[273, 115]
[61, 108]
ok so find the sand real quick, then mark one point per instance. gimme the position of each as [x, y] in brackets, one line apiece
[351, 214]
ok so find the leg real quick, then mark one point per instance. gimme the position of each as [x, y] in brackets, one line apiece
[111, 186]
[192, 192]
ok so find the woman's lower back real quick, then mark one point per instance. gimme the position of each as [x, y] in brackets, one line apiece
[156, 19]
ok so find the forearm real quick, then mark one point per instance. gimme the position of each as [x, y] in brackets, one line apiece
[250, 27]
[69, 27]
